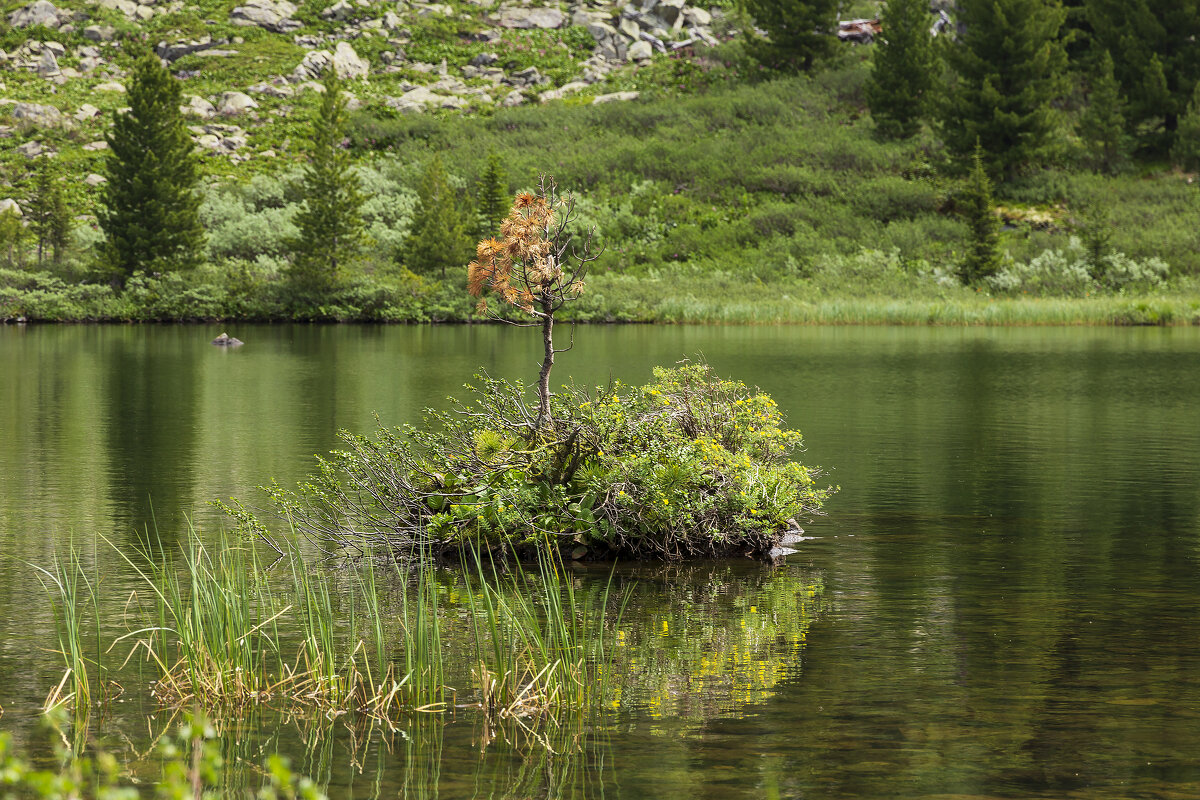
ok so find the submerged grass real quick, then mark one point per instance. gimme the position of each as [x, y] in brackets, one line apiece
[223, 631]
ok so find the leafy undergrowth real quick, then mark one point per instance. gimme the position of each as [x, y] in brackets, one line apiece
[687, 466]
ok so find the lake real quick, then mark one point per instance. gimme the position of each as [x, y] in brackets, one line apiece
[1002, 601]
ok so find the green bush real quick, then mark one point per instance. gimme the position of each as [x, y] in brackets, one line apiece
[689, 465]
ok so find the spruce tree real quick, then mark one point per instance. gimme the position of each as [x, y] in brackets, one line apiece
[983, 256]
[438, 238]
[150, 208]
[1156, 60]
[47, 212]
[800, 32]
[1008, 69]
[329, 223]
[1185, 153]
[493, 198]
[1102, 126]
[903, 69]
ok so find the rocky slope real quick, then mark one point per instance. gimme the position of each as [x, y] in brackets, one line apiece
[250, 66]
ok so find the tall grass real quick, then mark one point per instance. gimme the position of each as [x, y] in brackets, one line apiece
[538, 645]
[71, 591]
[222, 631]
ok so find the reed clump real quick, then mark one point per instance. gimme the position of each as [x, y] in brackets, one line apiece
[222, 630]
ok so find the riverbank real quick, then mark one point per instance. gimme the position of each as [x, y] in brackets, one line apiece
[677, 297]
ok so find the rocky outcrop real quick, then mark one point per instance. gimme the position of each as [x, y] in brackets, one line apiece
[39, 115]
[233, 104]
[42, 13]
[525, 18]
[344, 60]
[271, 15]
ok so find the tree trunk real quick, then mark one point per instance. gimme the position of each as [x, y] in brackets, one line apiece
[543, 416]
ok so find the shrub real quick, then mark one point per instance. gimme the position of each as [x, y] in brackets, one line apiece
[1071, 272]
[689, 465]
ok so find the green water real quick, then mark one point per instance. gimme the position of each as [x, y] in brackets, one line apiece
[1003, 600]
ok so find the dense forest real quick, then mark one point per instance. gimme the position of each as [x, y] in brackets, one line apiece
[768, 160]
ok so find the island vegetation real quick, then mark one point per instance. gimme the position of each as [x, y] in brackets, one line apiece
[754, 175]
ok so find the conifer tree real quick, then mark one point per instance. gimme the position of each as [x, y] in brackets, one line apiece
[1009, 67]
[1102, 125]
[903, 69]
[12, 237]
[150, 208]
[983, 256]
[49, 217]
[438, 238]
[1186, 150]
[1156, 60]
[493, 198]
[329, 223]
[800, 32]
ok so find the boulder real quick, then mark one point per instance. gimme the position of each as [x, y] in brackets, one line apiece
[48, 65]
[421, 98]
[640, 51]
[272, 90]
[616, 97]
[312, 66]
[41, 12]
[515, 17]
[225, 340]
[338, 12]
[347, 63]
[8, 205]
[95, 180]
[99, 33]
[87, 111]
[271, 15]
[39, 115]
[30, 149]
[563, 91]
[111, 86]
[234, 104]
[198, 107]
[514, 98]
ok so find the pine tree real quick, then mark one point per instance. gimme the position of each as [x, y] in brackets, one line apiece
[49, 217]
[983, 255]
[903, 69]
[1102, 125]
[1156, 60]
[493, 198]
[150, 208]
[12, 237]
[438, 238]
[330, 227]
[1186, 150]
[800, 32]
[1009, 67]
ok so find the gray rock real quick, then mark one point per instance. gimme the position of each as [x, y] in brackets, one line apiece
[513, 17]
[30, 149]
[514, 98]
[95, 180]
[640, 51]
[39, 115]
[338, 12]
[176, 50]
[669, 10]
[94, 146]
[233, 104]
[616, 97]
[697, 16]
[126, 7]
[313, 65]
[272, 90]
[484, 60]
[198, 107]
[8, 205]
[526, 77]
[421, 98]
[48, 64]
[110, 86]
[347, 63]
[271, 15]
[563, 91]
[99, 33]
[41, 12]
[225, 340]
[87, 111]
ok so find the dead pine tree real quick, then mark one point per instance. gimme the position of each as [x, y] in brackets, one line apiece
[538, 265]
